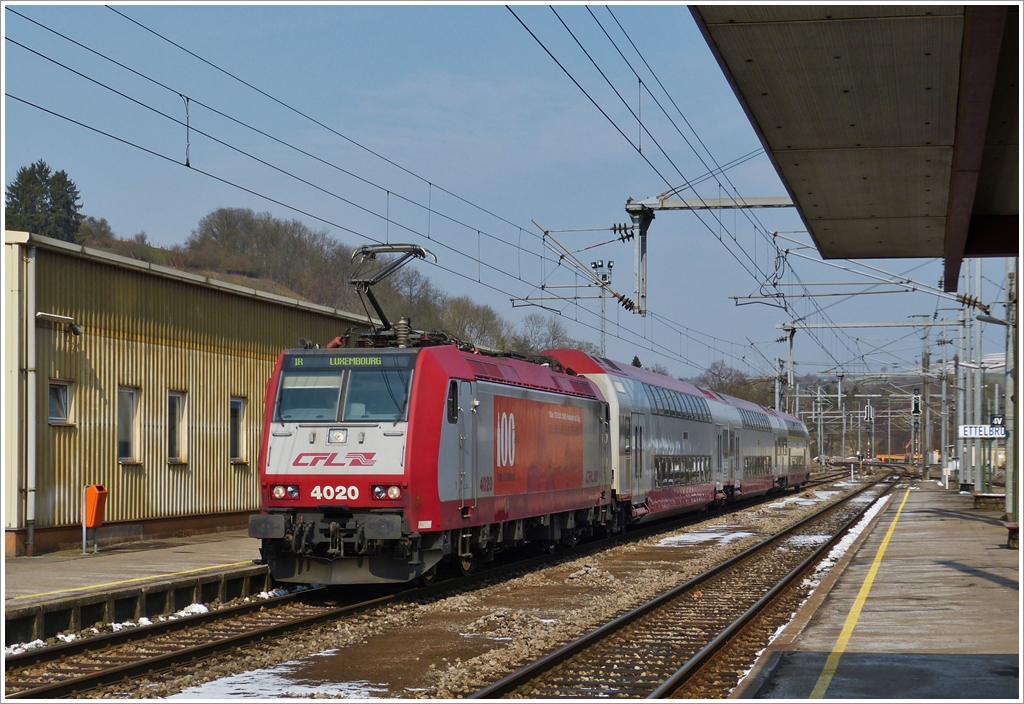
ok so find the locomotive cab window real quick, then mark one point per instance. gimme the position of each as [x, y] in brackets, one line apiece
[377, 394]
[453, 402]
[368, 390]
[307, 397]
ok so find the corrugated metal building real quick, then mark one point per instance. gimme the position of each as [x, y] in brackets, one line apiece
[142, 378]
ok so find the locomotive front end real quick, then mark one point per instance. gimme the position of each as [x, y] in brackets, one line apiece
[334, 482]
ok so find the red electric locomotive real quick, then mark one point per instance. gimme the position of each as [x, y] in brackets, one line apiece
[378, 463]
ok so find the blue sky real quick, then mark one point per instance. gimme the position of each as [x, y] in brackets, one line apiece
[478, 121]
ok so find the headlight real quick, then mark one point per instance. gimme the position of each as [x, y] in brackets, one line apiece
[280, 491]
[337, 436]
[387, 492]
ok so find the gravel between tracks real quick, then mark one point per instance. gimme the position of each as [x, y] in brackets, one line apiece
[516, 620]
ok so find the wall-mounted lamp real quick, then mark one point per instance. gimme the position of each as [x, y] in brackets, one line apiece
[69, 322]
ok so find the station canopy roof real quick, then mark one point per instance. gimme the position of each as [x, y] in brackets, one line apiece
[895, 129]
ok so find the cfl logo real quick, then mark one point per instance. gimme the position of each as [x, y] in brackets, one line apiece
[505, 436]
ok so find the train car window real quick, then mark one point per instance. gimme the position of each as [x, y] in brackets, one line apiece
[677, 403]
[307, 396]
[650, 395]
[453, 402]
[663, 400]
[705, 409]
[377, 394]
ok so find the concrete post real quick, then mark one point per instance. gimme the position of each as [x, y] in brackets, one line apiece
[979, 377]
[1012, 441]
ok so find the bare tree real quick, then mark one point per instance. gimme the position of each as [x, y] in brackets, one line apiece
[724, 379]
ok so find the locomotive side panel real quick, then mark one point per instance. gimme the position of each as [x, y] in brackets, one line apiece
[536, 453]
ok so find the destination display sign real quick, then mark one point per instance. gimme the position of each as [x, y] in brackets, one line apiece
[319, 360]
[982, 431]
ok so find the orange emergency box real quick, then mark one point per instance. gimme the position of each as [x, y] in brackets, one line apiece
[95, 503]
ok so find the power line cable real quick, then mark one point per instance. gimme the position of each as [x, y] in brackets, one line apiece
[313, 120]
[643, 127]
[780, 259]
[278, 140]
[231, 75]
[667, 353]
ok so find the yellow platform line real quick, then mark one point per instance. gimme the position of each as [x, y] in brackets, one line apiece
[129, 581]
[851, 620]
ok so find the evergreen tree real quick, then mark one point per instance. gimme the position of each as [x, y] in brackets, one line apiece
[44, 203]
[636, 362]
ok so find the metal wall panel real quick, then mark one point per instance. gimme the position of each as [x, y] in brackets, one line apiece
[156, 334]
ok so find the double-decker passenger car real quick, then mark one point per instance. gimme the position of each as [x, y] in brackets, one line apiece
[681, 447]
[377, 463]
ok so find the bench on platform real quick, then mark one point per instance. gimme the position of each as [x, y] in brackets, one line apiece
[1012, 541]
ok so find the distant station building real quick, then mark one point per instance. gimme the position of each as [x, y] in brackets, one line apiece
[144, 379]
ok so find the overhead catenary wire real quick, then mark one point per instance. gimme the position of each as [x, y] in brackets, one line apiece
[748, 215]
[666, 352]
[620, 131]
[779, 259]
[273, 138]
[206, 61]
[429, 209]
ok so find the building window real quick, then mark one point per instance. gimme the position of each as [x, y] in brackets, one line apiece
[127, 407]
[237, 429]
[61, 398]
[176, 435]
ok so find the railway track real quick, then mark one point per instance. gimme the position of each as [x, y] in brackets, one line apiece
[79, 666]
[86, 664]
[654, 650]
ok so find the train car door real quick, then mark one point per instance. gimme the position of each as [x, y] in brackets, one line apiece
[737, 461]
[467, 445]
[723, 454]
[638, 456]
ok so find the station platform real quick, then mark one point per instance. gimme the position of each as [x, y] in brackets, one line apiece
[69, 591]
[924, 605]
[936, 616]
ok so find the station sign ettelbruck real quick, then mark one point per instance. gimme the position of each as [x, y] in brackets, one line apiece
[982, 431]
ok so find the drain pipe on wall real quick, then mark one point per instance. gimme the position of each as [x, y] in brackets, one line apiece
[32, 394]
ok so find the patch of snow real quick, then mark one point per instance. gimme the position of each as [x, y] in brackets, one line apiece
[67, 637]
[720, 537]
[192, 610]
[284, 680]
[808, 539]
[19, 648]
[840, 548]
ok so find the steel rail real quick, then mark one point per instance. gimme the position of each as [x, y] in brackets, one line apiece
[697, 661]
[160, 661]
[533, 670]
[40, 655]
[95, 645]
